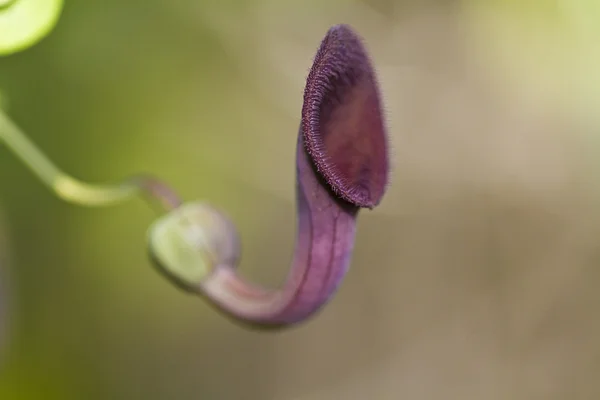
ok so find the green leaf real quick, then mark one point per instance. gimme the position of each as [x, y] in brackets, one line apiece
[24, 23]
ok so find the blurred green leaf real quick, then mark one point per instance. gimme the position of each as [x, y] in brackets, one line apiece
[24, 23]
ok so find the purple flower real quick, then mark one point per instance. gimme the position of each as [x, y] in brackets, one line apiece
[341, 167]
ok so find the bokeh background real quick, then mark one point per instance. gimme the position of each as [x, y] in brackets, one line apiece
[477, 277]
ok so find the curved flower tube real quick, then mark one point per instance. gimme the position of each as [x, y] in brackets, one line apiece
[341, 166]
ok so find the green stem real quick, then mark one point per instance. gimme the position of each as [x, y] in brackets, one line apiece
[74, 190]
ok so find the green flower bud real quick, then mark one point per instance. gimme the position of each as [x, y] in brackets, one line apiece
[189, 242]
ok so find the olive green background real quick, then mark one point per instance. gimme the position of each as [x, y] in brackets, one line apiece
[476, 278]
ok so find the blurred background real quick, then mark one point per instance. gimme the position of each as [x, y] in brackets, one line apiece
[476, 278]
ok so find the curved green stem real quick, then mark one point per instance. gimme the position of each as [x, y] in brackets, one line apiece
[74, 190]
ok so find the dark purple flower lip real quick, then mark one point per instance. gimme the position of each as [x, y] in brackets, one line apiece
[343, 126]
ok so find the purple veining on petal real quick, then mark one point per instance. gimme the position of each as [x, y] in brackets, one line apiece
[325, 241]
[345, 131]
